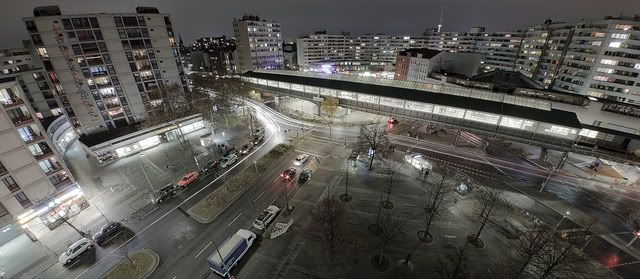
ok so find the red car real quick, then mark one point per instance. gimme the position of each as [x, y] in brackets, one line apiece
[188, 179]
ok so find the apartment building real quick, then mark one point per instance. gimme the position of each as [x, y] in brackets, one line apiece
[258, 44]
[214, 54]
[36, 183]
[106, 69]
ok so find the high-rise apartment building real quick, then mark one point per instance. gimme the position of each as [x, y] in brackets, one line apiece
[597, 58]
[499, 50]
[36, 183]
[106, 69]
[352, 52]
[214, 54]
[259, 44]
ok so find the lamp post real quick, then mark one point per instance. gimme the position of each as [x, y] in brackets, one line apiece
[563, 217]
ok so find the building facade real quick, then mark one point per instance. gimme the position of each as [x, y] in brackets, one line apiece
[106, 69]
[215, 55]
[418, 64]
[596, 58]
[258, 44]
[35, 180]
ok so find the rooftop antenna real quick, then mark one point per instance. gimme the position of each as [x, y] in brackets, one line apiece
[441, 16]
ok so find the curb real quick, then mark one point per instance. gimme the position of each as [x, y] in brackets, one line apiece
[199, 219]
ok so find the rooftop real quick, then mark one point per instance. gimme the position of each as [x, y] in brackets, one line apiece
[426, 52]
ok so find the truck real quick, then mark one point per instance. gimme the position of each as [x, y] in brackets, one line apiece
[230, 252]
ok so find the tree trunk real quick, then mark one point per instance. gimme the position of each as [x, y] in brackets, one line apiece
[381, 253]
[371, 161]
[81, 233]
[484, 221]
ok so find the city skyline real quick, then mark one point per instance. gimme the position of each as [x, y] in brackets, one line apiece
[214, 19]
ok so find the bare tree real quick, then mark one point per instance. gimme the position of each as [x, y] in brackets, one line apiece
[392, 169]
[437, 196]
[487, 202]
[373, 140]
[454, 266]
[225, 92]
[328, 221]
[559, 259]
[530, 245]
[347, 173]
[391, 229]
[329, 107]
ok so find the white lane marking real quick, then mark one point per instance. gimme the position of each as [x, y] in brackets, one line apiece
[494, 166]
[143, 216]
[201, 251]
[258, 196]
[183, 202]
[229, 225]
[275, 199]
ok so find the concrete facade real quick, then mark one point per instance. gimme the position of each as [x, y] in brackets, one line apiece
[259, 44]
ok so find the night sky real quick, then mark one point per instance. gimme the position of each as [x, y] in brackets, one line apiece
[196, 18]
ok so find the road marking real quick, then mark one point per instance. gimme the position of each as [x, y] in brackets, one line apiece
[275, 199]
[229, 225]
[183, 202]
[143, 216]
[201, 251]
[258, 196]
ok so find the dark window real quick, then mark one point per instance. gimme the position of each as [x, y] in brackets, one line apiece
[137, 44]
[11, 184]
[152, 55]
[102, 46]
[125, 45]
[100, 105]
[147, 42]
[133, 33]
[118, 21]
[31, 26]
[122, 33]
[47, 65]
[167, 20]
[145, 33]
[96, 95]
[141, 21]
[98, 34]
[140, 87]
[86, 35]
[86, 73]
[130, 21]
[37, 40]
[129, 55]
[107, 58]
[80, 22]
[136, 76]
[64, 101]
[115, 80]
[123, 101]
[170, 31]
[119, 91]
[94, 22]
[67, 24]
[89, 48]
[76, 49]
[154, 64]
[112, 70]
[70, 112]
[71, 34]
[23, 200]
[105, 115]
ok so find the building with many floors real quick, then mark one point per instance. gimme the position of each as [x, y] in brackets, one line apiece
[37, 188]
[214, 54]
[106, 70]
[419, 64]
[259, 44]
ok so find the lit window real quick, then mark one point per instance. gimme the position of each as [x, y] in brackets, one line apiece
[620, 36]
[596, 43]
[599, 34]
[605, 70]
[615, 44]
[608, 62]
[42, 52]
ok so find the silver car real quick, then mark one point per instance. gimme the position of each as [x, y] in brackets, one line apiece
[228, 160]
[75, 250]
[418, 161]
[266, 217]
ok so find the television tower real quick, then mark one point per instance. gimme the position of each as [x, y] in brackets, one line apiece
[441, 16]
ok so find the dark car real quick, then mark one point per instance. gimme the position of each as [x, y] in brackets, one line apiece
[107, 232]
[246, 148]
[304, 176]
[257, 139]
[231, 150]
[165, 193]
[288, 174]
[210, 166]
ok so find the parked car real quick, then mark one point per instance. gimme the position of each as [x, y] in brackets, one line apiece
[164, 193]
[228, 160]
[259, 132]
[418, 161]
[75, 250]
[246, 148]
[392, 120]
[288, 174]
[265, 218]
[210, 166]
[231, 150]
[107, 232]
[304, 176]
[257, 139]
[301, 159]
[188, 178]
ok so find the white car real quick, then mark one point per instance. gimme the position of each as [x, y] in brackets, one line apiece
[75, 250]
[266, 217]
[301, 159]
[228, 160]
[418, 161]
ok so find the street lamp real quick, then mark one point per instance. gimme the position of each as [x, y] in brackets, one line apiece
[563, 217]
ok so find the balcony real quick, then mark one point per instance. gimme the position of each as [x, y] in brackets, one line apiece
[11, 102]
[60, 180]
[20, 120]
[3, 170]
[55, 167]
[40, 151]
